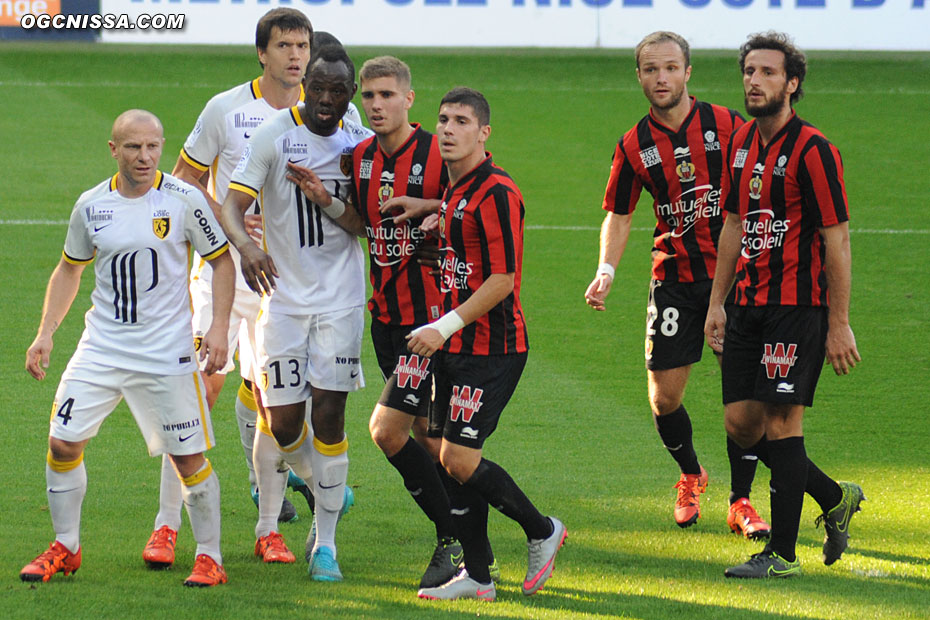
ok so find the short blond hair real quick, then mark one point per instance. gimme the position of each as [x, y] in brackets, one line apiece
[664, 36]
[386, 66]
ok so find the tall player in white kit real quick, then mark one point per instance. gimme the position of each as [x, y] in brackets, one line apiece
[209, 155]
[311, 274]
[137, 342]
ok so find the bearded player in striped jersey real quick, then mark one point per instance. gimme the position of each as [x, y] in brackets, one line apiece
[209, 155]
[137, 343]
[310, 272]
[676, 152]
[785, 244]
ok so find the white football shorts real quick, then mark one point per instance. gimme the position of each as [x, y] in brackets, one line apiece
[171, 411]
[322, 350]
[241, 324]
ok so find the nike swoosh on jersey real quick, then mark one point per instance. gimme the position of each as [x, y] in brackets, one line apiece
[99, 228]
[353, 374]
[186, 438]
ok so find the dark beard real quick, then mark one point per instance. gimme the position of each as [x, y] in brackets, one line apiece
[770, 108]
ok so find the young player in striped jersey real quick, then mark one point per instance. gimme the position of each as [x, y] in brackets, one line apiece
[311, 273]
[785, 242]
[137, 343]
[479, 347]
[207, 160]
[677, 153]
[395, 172]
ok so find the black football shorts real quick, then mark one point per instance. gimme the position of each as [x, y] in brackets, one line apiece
[470, 394]
[408, 377]
[773, 354]
[675, 317]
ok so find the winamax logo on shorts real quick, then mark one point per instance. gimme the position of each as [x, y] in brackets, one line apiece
[464, 404]
[779, 359]
[411, 370]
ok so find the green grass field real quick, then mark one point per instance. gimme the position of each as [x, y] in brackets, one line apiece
[577, 434]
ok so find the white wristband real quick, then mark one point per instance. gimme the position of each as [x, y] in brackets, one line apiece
[605, 268]
[448, 324]
[336, 209]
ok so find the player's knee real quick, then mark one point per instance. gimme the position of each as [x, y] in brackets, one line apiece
[743, 433]
[390, 429]
[188, 464]
[460, 470]
[65, 451]
[663, 404]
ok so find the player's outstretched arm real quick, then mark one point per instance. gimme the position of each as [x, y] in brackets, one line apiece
[842, 353]
[727, 253]
[615, 231]
[313, 188]
[215, 345]
[257, 267]
[405, 207]
[59, 295]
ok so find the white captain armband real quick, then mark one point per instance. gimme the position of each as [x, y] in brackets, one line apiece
[606, 269]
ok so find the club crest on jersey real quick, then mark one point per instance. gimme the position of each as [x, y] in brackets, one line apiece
[464, 403]
[264, 381]
[779, 359]
[685, 171]
[161, 226]
[755, 183]
[345, 163]
[385, 193]
[198, 342]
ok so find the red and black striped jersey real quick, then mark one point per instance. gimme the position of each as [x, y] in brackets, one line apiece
[681, 170]
[783, 192]
[481, 232]
[403, 291]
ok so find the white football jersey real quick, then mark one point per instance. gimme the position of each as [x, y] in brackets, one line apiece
[216, 144]
[141, 314]
[321, 266]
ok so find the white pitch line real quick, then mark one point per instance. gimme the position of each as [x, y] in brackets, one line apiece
[621, 88]
[864, 231]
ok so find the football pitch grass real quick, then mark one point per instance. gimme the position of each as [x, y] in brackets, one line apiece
[577, 435]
